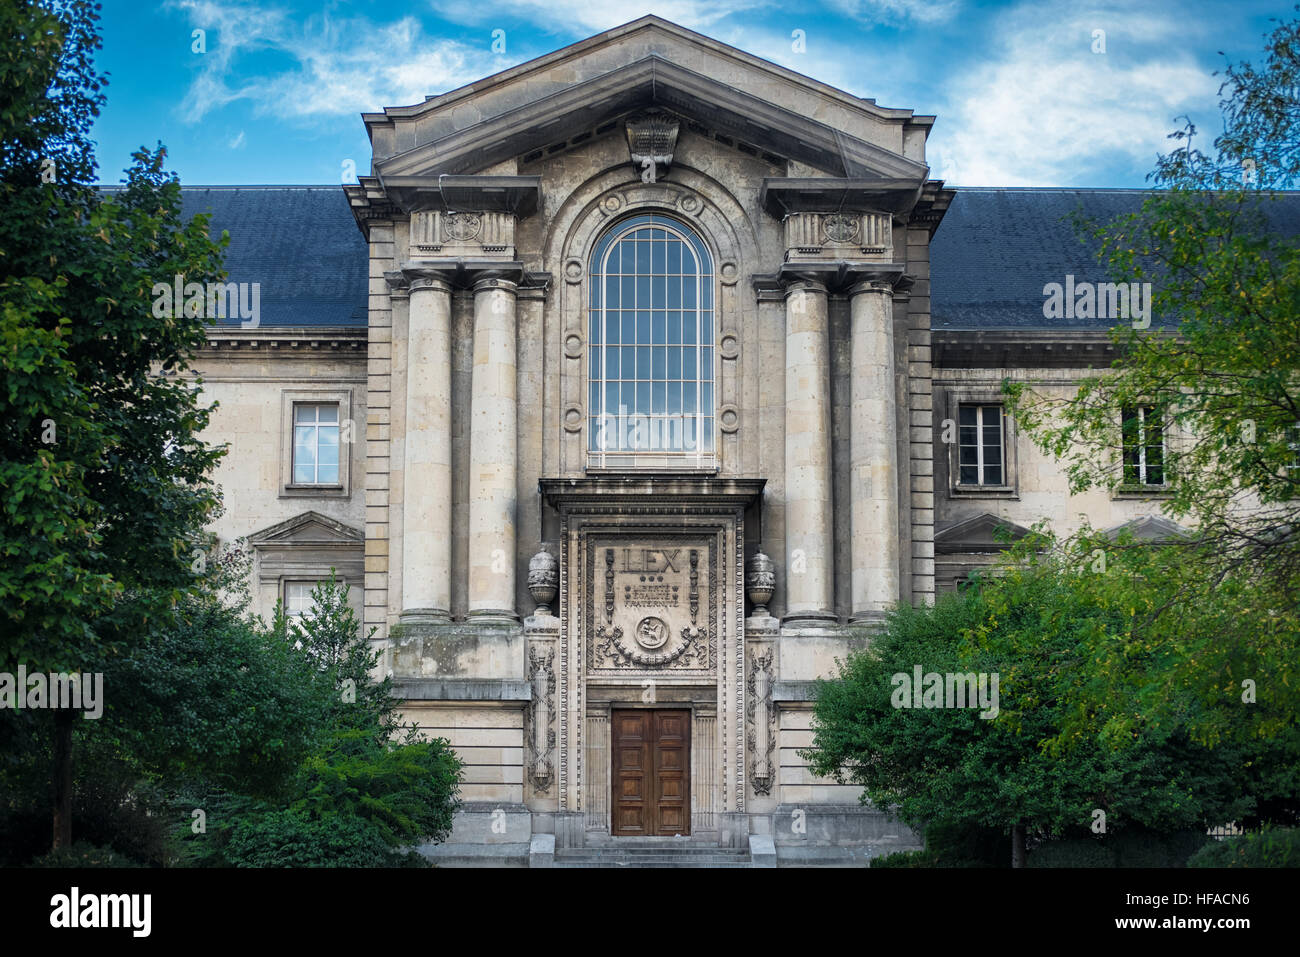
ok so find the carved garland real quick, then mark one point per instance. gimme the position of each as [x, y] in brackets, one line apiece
[541, 740]
[761, 734]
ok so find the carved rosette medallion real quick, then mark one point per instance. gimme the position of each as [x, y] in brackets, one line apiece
[840, 228]
[652, 603]
[461, 227]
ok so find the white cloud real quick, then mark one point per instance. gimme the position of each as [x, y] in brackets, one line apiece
[238, 141]
[340, 66]
[899, 11]
[569, 16]
[1042, 109]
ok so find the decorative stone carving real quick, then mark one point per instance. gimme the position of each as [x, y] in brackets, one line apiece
[541, 740]
[461, 227]
[651, 138]
[761, 735]
[648, 600]
[812, 236]
[760, 582]
[543, 580]
[437, 234]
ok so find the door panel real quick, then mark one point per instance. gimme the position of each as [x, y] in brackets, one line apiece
[651, 773]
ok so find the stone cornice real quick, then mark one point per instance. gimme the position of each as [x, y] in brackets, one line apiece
[666, 493]
[286, 342]
[781, 195]
[1022, 348]
[518, 195]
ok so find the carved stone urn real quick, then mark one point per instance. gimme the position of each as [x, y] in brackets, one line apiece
[760, 582]
[543, 581]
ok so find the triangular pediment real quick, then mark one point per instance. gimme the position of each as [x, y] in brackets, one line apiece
[1150, 528]
[985, 532]
[577, 92]
[309, 528]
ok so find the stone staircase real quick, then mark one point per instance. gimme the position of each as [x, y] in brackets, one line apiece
[635, 852]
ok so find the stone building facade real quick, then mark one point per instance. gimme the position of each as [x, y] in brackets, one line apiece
[615, 393]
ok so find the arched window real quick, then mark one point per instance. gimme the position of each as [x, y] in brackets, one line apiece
[650, 362]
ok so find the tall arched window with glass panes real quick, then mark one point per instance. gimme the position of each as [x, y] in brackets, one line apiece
[651, 354]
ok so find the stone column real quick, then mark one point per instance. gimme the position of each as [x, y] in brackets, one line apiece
[873, 462]
[808, 543]
[493, 446]
[426, 508]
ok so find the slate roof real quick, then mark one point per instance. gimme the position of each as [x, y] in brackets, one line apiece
[998, 246]
[989, 259]
[300, 242]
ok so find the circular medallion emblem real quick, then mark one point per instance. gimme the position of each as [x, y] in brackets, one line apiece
[840, 228]
[651, 633]
[461, 227]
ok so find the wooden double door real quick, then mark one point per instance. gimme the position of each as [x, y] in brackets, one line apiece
[651, 772]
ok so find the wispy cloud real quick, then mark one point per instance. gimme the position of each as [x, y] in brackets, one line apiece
[1040, 108]
[337, 66]
[899, 11]
[578, 16]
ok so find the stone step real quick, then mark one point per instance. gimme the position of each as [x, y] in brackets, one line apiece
[653, 855]
[652, 864]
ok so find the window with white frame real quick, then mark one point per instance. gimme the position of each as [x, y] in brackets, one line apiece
[651, 356]
[981, 445]
[316, 444]
[1293, 443]
[297, 598]
[1143, 432]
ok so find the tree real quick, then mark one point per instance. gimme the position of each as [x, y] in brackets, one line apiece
[1224, 374]
[368, 790]
[945, 765]
[107, 481]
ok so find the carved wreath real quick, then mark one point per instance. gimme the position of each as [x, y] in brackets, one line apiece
[611, 645]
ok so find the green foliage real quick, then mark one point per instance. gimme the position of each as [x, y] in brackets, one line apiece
[83, 854]
[1046, 762]
[1269, 847]
[366, 792]
[287, 838]
[1223, 608]
[1133, 848]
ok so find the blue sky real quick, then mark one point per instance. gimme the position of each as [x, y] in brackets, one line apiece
[1021, 96]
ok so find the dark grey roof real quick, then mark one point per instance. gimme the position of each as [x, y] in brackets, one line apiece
[989, 260]
[299, 242]
[997, 247]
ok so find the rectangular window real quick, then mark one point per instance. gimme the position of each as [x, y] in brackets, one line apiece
[1293, 443]
[316, 444]
[297, 598]
[1143, 433]
[980, 445]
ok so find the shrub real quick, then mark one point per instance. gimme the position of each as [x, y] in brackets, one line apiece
[83, 854]
[1270, 847]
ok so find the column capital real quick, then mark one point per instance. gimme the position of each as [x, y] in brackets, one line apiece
[433, 283]
[467, 273]
[841, 275]
[801, 283]
[487, 281]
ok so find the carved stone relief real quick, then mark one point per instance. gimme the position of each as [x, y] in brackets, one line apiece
[541, 717]
[652, 603]
[760, 724]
